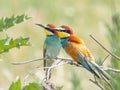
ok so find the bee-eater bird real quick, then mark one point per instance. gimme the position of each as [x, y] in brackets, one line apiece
[76, 48]
[52, 44]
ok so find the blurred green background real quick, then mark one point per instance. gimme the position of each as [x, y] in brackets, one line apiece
[85, 16]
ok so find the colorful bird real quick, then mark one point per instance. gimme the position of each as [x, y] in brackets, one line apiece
[51, 46]
[76, 48]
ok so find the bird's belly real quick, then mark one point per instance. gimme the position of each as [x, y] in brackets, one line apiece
[72, 51]
[52, 52]
[53, 46]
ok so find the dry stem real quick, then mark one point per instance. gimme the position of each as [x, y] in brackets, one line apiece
[112, 54]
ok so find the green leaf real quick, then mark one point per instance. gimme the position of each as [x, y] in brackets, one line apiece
[16, 85]
[6, 23]
[33, 86]
[9, 43]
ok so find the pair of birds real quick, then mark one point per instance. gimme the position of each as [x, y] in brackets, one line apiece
[73, 45]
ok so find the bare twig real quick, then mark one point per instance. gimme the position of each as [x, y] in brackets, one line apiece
[30, 61]
[66, 61]
[105, 59]
[41, 68]
[50, 70]
[70, 61]
[26, 62]
[109, 69]
[101, 86]
[54, 66]
[98, 84]
[31, 72]
[48, 86]
[113, 55]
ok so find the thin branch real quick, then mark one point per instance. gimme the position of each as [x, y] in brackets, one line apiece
[26, 62]
[41, 68]
[66, 61]
[31, 72]
[109, 69]
[30, 61]
[54, 66]
[113, 55]
[48, 86]
[70, 61]
[105, 59]
[49, 70]
[98, 84]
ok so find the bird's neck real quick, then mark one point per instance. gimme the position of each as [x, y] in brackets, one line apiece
[64, 40]
[71, 39]
[76, 39]
[50, 35]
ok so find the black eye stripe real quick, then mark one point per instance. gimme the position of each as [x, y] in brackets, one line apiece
[67, 31]
[50, 29]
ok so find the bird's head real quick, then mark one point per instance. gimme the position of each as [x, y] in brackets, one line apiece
[48, 29]
[64, 31]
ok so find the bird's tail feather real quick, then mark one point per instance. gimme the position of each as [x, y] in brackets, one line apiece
[94, 67]
[88, 67]
[102, 74]
[86, 64]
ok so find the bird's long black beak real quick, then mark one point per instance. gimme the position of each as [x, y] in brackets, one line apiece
[48, 28]
[43, 26]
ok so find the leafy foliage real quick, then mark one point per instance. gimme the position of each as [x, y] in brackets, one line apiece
[33, 86]
[9, 43]
[6, 23]
[114, 39]
[16, 85]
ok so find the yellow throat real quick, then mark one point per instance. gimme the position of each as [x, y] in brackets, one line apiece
[48, 33]
[63, 34]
